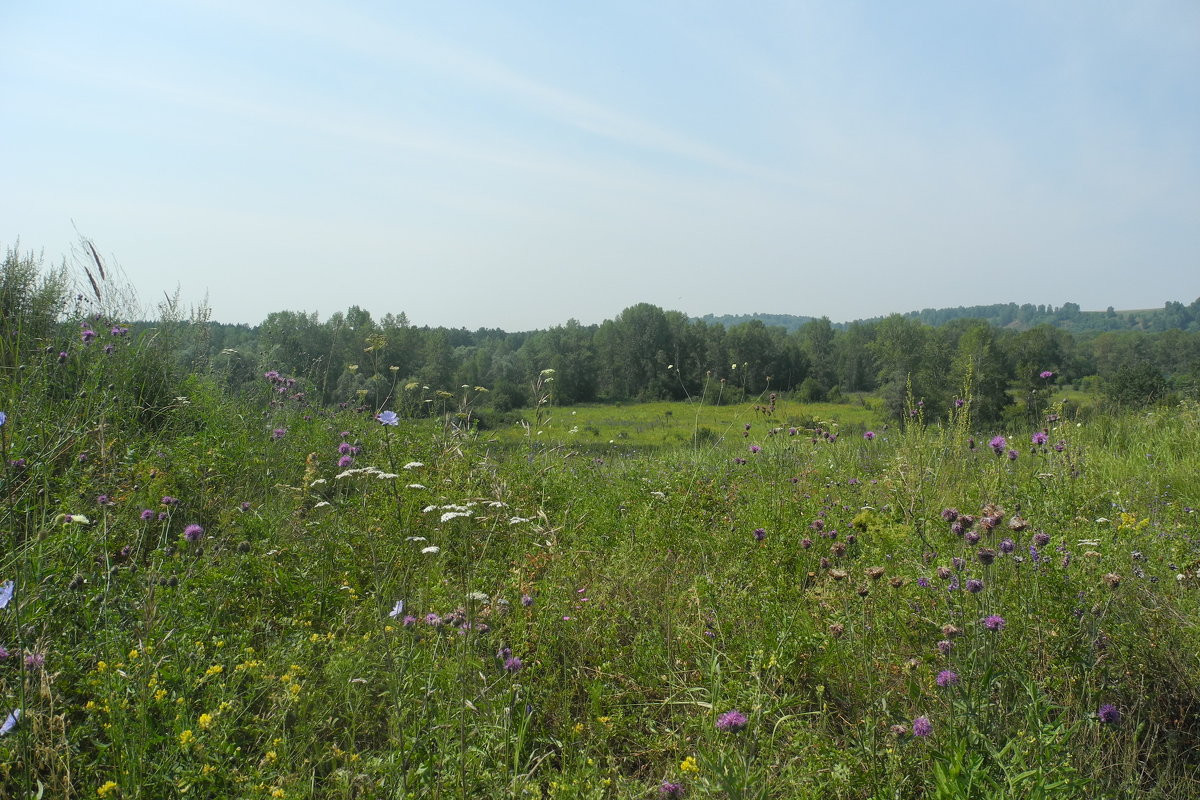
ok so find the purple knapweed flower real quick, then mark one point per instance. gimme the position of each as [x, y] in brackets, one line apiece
[921, 726]
[193, 532]
[278, 433]
[1039, 438]
[1109, 714]
[995, 622]
[162, 516]
[945, 646]
[732, 721]
[1012, 455]
[1007, 545]
[169, 501]
[760, 534]
[959, 402]
[388, 417]
[998, 443]
[1046, 374]
[670, 790]
[947, 677]
[433, 619]
[949, 514]
[1059, 446]
[869, 435]
[35, 660]
[974, 586]
[87, 336]
[513, 664]
[147, 514]
[345, 461]
[755, 448]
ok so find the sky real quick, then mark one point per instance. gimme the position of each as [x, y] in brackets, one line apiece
[514, 165]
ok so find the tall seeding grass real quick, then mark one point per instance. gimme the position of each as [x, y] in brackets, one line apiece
[215, 596]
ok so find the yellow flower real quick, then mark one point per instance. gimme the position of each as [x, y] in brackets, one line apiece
[205, 721]
[215, 669]
[101, 666]
[133, 654]
[107, 789]
[277, 792]
[160, 694]
[186, 738]
[689, 765]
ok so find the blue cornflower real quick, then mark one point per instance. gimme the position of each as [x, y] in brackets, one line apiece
[388, 417]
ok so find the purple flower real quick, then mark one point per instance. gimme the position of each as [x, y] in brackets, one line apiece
[974, 586]
[1059, 446]
[345, 461]
[162, 516]
[433, 619]
[526, 600]
[3, 652]
[1007, 545]
[3, 418]
[1012, 455]
[732, 721]
[87, 335]
[193, 532]
[806, 542]
[35, 660]
[1046, 374]
[278, 433]
[670, 790]
[945, 646]
[409, 621]
[245, 506]
[1040, 438]
[388, 417]
[995, 622]
[513, 664]
[1109, 714]
[147, 514]
[949, 514]
[921, 726]
[169, 501]
[62, 357]
[760, 534]
[958, 402]
[755, 448]
[1041, 539]
[869, 435]
[998, 443]
[947, 677]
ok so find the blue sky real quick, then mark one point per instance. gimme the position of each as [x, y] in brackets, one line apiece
[518, 164]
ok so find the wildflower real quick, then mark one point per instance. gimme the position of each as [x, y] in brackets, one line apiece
[147, 514]
[947, 677]
[760, 534]
[755, 448]
[1046, 374]
[193, 532]
[526, 600]
[345, 461]
[959, 402]
[869, 435]
[921, 726]
[35, 660]
[732, 721]
[3, 652]
[245, 506]
[6, 592]
[10, 721]
[388, 418]
[169, 501]
[205, 722]
[3, 418]
[1012, 455]
[994, 622]
[278, 433]
[87, 335]
[670, 790]
[986, 555]
[998, 443]
[107, 789]
[1007, 545]
[397, 609]
[836, 630]
[689, 765]
[1041, 539]
[1040, 438]
[1109, 714]
[186, 738]
[513, 664]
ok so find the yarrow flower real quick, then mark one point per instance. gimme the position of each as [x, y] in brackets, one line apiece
[388, 417]
[732, 721]
[1109, 714]
[921, 726]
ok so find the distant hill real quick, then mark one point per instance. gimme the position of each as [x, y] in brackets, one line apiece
[1172, 316]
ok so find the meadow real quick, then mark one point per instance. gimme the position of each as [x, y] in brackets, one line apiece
[207, 594]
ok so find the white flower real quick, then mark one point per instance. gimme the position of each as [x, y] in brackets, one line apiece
[449, 515]
[413, 465]
[478, 597]
[319, 482]
[397, 609]
[416, 539]
[659, 495]
[414, 486]
[386, 476]
[6, 592]
[427, 509]
[321, 504]
[10, 721]
[517, 520]
[433, 548]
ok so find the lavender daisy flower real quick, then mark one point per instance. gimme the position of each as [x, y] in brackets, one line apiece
[1109, 714]
[732, 721]
[921, 726]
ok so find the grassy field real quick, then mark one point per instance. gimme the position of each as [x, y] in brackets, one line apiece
[251, 597]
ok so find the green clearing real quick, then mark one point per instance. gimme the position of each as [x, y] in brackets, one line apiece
[216, 594]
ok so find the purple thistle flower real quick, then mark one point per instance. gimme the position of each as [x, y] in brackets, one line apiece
[947, 677]
[732, 721]
[755, 448]
[344, 448]
[345, 461]
[760, 534]
[670, 790]
[193, 532]
[513, 664]
[806, 542]
[87, 335]
[1007, 545]
[1041, 539]
[409, 620]
[974, 586]
[998, 443]
[1012, 455]
[278, 433]
[921, 726]
[1046, 374]
[1040, 438]
[949, 514]
[526, 600]
[245, 505]
[147, 514]
[163, 516]
[433, 619]
[995, 622]
[1109, 714]
[959, 402]
[169, 501]
[35, 660]
[869, 435]
[945, 646]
